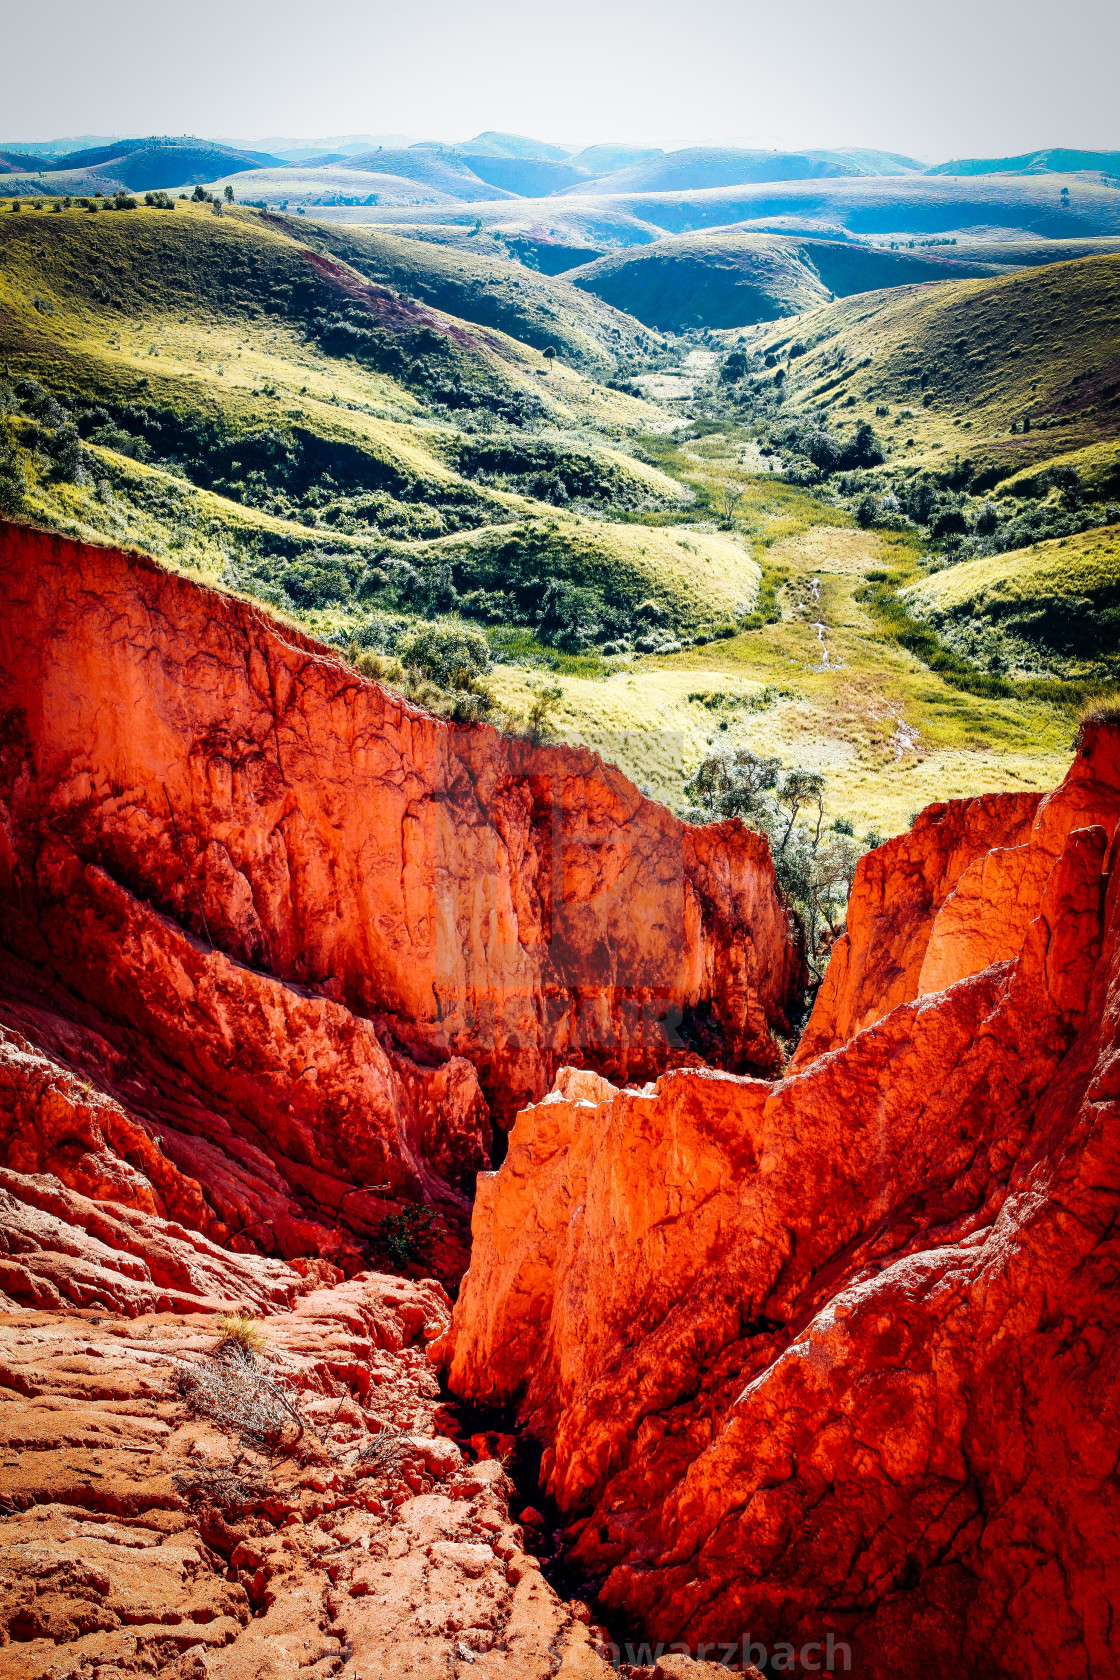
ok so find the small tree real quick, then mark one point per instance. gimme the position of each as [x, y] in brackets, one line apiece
[229, 194]
[801, 789]
[549, 355]
[13, 487]
[728, 502]
[540, 712]
[736, 783]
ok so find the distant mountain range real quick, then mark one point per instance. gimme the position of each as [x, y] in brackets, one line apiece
[1058, 160]
[492, 165]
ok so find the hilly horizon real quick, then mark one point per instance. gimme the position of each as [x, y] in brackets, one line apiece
[538, 166]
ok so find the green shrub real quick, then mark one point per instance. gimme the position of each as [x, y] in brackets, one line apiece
[442, 650]
[13, 487]
[407, 1236]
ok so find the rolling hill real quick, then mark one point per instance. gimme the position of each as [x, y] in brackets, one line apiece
[1030, 206]
[490, 292]
[1061, 160]
[493, 143]
[699, 167]
[1054, 607]
[956, 366]
[249, 406]
[339, 185]
[733, 279]
[138, 165]
[448, 172]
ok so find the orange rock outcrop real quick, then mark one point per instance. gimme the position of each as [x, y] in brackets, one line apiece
[835, 1356]
[303, 938]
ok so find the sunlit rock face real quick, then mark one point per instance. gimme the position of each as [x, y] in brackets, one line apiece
[314, 938]
[838, 1353]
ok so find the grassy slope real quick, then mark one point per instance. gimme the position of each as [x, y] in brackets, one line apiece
[1063, 594]
[890, 734]
[199, 324]
[968, 358]
[493, 293]
[711, 281]
[732, 278]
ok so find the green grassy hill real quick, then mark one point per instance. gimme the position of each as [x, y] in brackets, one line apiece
[249, 406]
[732, 278]
[492, 292]
[722, 280]
[983, 415]
[1053, 608]
[948, 370]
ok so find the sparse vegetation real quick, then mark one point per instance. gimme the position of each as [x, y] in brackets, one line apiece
[1101, 710]
[235, 1389]
[242, 1331]
[232, 1488]
[407, 1236]
[815, 870]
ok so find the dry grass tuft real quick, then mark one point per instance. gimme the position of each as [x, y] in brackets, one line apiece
[231, 1487]
[384, 1452]
[1100, 711]
[238, 1393]
[240, 1330]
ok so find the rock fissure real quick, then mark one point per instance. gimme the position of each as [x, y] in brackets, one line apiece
[922, 1361]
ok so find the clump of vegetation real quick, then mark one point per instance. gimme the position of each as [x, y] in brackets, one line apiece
[407, 1236]
[444, 651]
[1100, 711]
[814, 869]
[235, 1389]
[233, 1487]
[240, 1330]
[13, 485]
[544, 705]
[384, 1451]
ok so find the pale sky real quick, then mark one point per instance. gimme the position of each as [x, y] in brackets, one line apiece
[960, 78]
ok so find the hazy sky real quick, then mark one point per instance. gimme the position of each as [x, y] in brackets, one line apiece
[953, 79]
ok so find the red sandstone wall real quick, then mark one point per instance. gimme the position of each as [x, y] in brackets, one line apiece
[520, 906]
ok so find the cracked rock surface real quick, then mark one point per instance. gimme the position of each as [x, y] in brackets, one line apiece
[296, 942]
[139, 1537]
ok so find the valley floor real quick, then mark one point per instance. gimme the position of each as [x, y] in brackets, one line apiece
[822, 690]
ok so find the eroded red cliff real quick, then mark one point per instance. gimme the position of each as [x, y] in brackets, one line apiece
[839, 1353]
[312, 936]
